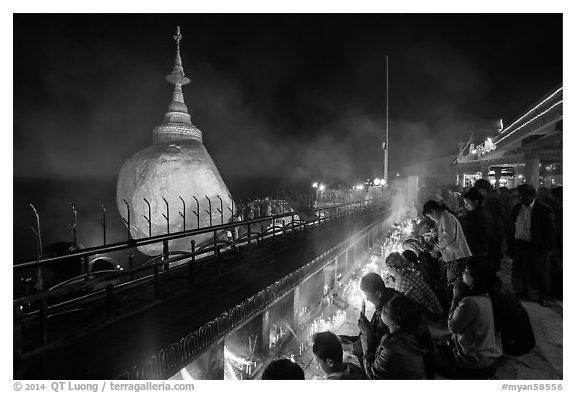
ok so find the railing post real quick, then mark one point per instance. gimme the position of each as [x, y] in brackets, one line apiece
[283, 229]
[74, 225]
[234, 232]
[217, 253]
[183, 214]
[149, 218]
[38, 233]
[103, 221]
[191, 262]
[167, 215]
[210, 209]
[166, 255]
[249, 233]
[127, 219]
[86, 266]
[131, 265]
[221, 210]
[197, 213]
[232, 206]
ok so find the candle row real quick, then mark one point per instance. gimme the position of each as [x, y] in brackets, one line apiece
[322, 325]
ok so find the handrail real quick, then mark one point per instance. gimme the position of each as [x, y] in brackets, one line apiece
[133, 243]
[53, 291]
[97, 293]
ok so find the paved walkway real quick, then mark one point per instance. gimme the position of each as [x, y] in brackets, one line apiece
[546, 359]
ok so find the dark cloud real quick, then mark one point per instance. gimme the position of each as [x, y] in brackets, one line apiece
[287, 98]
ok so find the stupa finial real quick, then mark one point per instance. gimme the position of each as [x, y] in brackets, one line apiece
[178, 37]
[177, 125]
[177, 76]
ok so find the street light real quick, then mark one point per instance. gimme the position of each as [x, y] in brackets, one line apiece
[376, 182]
[321, 187]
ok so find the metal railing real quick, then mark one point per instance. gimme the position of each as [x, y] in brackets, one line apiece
[103, 292]
[171, 359]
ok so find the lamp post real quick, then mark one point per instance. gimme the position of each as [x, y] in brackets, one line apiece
[385, 143]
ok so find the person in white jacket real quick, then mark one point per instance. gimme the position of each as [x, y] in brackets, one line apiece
[451, 244]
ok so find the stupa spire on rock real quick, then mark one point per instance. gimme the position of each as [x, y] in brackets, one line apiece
[177, 125]
[176, 169]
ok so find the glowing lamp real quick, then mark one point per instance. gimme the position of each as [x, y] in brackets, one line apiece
[376, 182]
[321, 187]
[315, 185]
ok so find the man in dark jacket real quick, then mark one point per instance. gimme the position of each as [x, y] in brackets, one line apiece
[378, 294]
[533, 241]
[494, 206]
[514, 324]
[477, 224]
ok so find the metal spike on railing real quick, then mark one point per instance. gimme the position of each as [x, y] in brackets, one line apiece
[197, 213]
[210, 208]
[149, 218]
[39, 282]
[127, 222]
[231, 204]
[183, 213]
[221, 210]
[167, 215]
[103, 221]
[37, 232]
[74, 226]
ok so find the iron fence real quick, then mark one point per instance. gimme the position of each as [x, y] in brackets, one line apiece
[105, 291]
[171, 359]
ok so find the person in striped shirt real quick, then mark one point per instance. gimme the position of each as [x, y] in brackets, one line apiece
[408, 281]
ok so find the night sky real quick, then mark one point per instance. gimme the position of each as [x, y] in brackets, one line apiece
[284, 99]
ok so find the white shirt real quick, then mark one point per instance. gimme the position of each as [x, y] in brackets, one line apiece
[523, 223]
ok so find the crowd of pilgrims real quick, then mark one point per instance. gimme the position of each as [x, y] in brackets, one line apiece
[447, 276]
